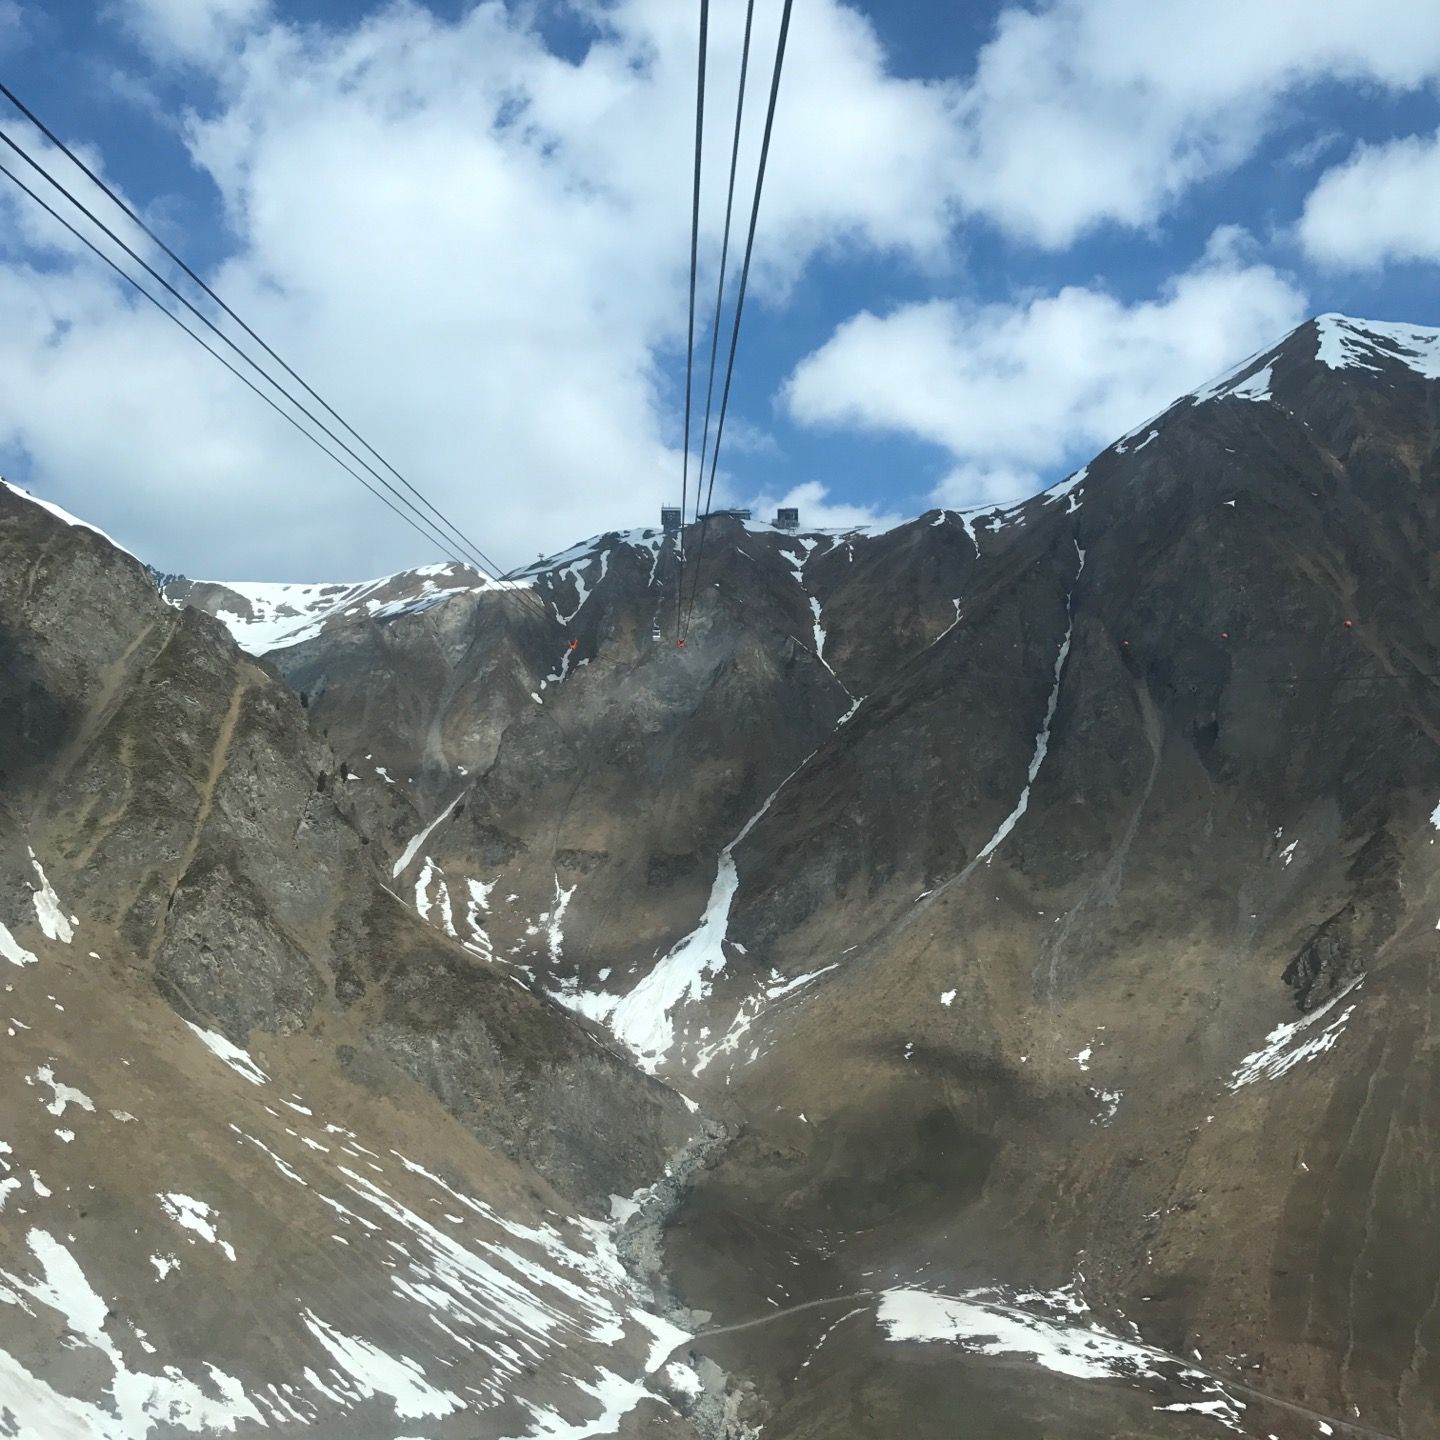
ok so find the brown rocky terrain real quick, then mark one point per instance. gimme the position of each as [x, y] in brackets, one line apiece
[1015, 931]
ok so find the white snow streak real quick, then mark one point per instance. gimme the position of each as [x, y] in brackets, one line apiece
[53, 920]
[554, 931]
[376, 1373]
[197, 1217]
[236, 1058]
[1283, 1050]
[1042, 740]
[413, 848]
[13, 950]
[643, 1020]
[63, 515]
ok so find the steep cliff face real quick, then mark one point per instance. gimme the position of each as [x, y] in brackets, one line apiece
[1043, 898]
[277, 1153]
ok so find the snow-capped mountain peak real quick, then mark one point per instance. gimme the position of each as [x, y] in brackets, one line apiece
[1344, 342]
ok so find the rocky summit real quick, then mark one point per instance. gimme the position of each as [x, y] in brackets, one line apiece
[984, 983]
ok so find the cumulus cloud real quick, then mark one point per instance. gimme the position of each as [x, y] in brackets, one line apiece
[1010, 389]
[192, 30]
[819, 512]
[973, 485]
[1381, 204]
[1086, 112]
[474, 247]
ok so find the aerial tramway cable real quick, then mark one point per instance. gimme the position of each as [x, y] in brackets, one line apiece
[690, 336]
[135, 219]
[169, 314]
[740, 300]
[397, 502]
[449, 544]
[725, 241]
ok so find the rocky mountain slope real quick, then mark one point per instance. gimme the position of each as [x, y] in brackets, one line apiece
[1013, 930]
[388, 1207]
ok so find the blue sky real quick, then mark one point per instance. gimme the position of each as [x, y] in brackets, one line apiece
[994, 238]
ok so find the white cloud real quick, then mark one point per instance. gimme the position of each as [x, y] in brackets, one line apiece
[474, 248]
[1085, 112]
[1383, 203]
[819, 512]
[477, 249]
[972, 485]
[1010, 389]
[191, 30]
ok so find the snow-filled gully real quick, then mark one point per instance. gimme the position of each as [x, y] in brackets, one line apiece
[1042, 748]
[797, 565]
[645, 1019]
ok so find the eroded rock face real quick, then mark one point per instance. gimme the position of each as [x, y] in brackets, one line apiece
[1042, 900]
[1049, 817]
[366, 1171]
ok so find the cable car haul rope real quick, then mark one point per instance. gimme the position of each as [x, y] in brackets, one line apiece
[682, 622]
[400, 495]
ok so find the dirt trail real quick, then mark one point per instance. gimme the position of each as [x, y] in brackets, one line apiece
[1231, 1382]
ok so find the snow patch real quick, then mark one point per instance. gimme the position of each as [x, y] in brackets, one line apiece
[52, 918]
[1284, 1048]
[1109, 1101]
[12, 950]
[63, 1095]
[413, 848]
[232, 1055]
[267, 616]
[990, 1322]
[140, 1400]
[1067, 487]
[1257, 387]
[1344, 343]
[197, 1217]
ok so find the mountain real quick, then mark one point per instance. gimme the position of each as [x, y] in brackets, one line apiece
[278, 1155]
[984, 978]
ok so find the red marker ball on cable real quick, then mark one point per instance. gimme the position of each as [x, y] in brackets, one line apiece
[1224, 634]
[574, 644]
[1349, 624]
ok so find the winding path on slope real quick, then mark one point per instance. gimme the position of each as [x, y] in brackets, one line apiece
[1241, 1387]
